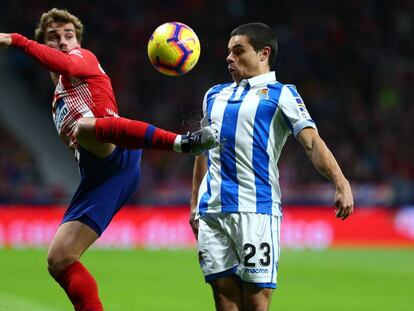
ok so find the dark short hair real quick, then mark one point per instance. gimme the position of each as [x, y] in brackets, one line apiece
[260, 35]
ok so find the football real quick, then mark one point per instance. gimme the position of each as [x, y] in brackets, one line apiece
[174, 49]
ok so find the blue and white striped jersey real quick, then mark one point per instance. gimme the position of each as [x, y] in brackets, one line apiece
[254, 120]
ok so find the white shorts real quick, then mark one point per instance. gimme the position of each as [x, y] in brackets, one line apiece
[244, 244]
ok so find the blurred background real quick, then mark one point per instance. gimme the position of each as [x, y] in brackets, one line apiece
[352, 62]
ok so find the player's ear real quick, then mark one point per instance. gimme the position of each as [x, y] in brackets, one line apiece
[265, 53]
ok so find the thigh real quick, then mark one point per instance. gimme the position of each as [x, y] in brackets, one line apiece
[105, 186]
[72, 239]
[227, 293]
[217, 254]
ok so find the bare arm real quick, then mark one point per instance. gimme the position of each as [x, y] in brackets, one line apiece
[323, 160]
[200, 169]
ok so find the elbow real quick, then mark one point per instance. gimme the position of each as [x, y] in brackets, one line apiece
[309, 145]
[308, 138]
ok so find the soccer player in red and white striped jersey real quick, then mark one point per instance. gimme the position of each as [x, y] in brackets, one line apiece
[107, 146]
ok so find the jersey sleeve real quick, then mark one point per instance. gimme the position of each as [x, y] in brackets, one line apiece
[294, 110]
[77, 63]
[204, 121]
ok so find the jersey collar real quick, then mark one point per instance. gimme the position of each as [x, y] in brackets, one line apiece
[265, 78]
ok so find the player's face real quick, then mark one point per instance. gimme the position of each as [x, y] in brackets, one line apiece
[243, 61]
[61, 37]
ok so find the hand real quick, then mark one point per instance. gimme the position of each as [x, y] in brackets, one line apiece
[194, 223]
[199, 141]
[5, 40]
[344, 201]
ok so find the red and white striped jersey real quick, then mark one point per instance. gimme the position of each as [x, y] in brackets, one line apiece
[83, 88]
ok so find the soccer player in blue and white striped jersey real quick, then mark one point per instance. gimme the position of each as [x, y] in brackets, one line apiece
[236, 201]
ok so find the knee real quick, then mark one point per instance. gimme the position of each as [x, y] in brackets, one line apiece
[57, 263]
[255, 304]
[84, 129]
[258, 299]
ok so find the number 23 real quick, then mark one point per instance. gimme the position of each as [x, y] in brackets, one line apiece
[250, 251]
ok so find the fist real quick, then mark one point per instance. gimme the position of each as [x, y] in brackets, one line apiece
[5, 40]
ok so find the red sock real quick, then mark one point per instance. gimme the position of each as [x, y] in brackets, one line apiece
[133, 134]
[81, 288]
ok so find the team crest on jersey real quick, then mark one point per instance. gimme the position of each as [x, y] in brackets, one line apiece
[263, 93]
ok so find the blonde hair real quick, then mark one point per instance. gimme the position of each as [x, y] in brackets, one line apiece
[60, 17]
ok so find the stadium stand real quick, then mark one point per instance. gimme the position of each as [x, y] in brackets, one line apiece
[351, 62]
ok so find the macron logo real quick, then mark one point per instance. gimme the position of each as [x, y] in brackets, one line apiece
[256, 271]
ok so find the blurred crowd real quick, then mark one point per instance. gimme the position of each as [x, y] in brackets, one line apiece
[20, 180]
[352, 62]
